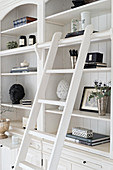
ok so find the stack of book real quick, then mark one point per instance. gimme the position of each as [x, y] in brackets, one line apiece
[94, 65]
[26, 102]
[94, 60]
[24, 20]
[23, 69]
[97, 139]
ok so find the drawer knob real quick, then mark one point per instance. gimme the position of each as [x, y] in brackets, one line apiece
[84, 162]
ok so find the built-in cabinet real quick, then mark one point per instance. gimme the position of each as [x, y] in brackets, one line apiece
[54, 17]
[7, 156]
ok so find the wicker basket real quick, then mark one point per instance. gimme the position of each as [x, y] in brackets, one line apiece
[89, 1]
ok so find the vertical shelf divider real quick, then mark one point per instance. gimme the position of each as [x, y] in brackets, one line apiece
[111, 127]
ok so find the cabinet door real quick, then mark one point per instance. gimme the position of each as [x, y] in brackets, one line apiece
[34, 157]
[63, 164]
[79, 167]
[0, 157]
[8, 157]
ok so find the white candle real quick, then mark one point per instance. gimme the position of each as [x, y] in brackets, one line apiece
[15, 140]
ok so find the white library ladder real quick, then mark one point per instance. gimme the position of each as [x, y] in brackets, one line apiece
[68, 104]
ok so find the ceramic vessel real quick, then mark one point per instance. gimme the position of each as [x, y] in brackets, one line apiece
[4, 126]
[85, 19]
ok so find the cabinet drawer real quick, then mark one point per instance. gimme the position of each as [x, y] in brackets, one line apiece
[79, 167]
[35, 145]
[86, 165]
[47, 147]
[34, 156]
[92, 165]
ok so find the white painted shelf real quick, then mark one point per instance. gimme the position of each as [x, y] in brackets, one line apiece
[103, 149]
[8, 143]
[99, 36]
[18, 106]
[19, 74]
[82, 114]
[104, 35]
[70, 71]
[104, 69]
[51, 102]
[66, 16]
[24, 29]
[16, 124]
[60, 71]
[18, 50]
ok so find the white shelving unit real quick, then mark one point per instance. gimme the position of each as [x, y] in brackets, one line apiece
[13, 57]
[100, 41]
[101, 17]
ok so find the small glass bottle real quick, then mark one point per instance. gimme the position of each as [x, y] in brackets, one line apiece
[22, 41]
[32, 39]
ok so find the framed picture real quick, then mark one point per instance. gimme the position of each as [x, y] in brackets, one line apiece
[87, 105]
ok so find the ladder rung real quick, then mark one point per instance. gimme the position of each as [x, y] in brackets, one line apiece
[60, 71]
[52, 102]
[42, 135]
[28, 166]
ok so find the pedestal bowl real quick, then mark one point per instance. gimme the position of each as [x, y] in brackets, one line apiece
[4, 126]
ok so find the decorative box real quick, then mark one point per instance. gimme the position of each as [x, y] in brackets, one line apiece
[94, 57]
[77, 3]
[82, 132]
[24, 20]
[89, 1]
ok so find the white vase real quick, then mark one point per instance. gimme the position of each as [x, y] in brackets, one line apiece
[85, 19]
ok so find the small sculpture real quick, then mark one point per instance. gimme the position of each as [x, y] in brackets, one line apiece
[16, 92]
[62, 91]
[24, 64]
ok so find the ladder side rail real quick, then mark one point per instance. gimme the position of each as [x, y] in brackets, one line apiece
[36, 106]
[72, 94]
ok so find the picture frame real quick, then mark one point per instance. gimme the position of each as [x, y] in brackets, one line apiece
[86, 105]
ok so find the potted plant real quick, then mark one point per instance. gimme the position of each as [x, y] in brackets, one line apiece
[103, 91]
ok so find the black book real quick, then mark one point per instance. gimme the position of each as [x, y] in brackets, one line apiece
[87, 143]
[77, 33]
[96, 138]
[94, 66]
[23, 69]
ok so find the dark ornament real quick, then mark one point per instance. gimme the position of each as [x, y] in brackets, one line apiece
[77, 3]
[16, 92]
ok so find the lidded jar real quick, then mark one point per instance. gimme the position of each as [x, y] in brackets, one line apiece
[32, 39]
[22, 41]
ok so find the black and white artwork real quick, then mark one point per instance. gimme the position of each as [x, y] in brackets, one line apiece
[87, 105]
